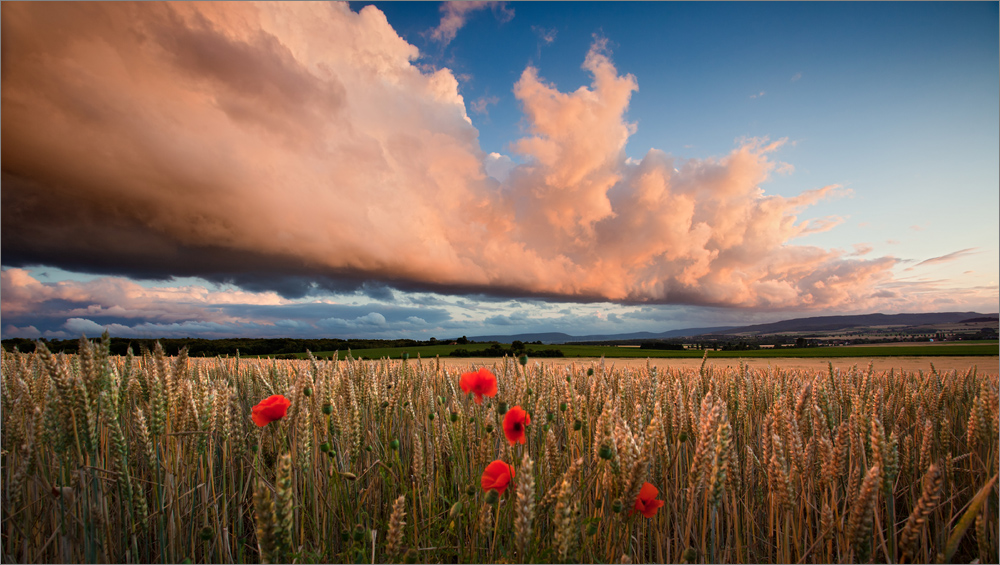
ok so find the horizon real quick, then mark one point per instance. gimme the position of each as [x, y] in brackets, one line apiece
[408, 170]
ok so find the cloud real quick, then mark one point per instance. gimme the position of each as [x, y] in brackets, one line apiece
[482, 104]
[545, 36]
[948, 258]
[295, 148]
[861, 249]
[498, 166]
[29, 332]
[455, 14]
[796, 77]
[758, 95]
[33, 309]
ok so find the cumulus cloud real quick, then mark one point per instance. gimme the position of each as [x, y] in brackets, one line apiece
[498, 166]
[296, 147]
[70, 308]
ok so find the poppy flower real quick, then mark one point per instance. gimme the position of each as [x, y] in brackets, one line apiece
[480, 383]
[647, 503]
[270, 409]
[514, 422]
[497, 476]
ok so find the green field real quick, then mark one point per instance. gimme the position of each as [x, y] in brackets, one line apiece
[921, 350]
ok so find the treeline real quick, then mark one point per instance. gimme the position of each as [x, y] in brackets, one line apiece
[217, 347]
[516, 350]
[662, 345]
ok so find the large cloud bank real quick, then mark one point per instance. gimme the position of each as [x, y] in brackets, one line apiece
[294, 145]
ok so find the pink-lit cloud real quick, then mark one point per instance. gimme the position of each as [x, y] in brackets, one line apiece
[122, 298]
[482, 104]
[281, 146]
[953, 256]
[455, 14]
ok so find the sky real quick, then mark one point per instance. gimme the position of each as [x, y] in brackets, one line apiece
[417, 170]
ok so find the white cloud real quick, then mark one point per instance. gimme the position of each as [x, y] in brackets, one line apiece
[498, 166]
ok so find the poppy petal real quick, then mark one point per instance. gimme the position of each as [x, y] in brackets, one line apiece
[650, 510]
[497, 476]
[648, 492]
[270, 409]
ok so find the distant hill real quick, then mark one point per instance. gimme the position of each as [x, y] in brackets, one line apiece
[836, 323]
[813, 324]
[557, 337]
[986, 318]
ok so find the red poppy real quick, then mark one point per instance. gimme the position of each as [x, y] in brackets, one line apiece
[647, 503]
[480, 383]
[270, 409]
[514, 422]
[497, 476]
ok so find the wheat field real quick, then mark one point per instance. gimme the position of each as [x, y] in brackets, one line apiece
[153, 459]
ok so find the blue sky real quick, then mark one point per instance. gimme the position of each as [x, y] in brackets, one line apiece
[807, 159]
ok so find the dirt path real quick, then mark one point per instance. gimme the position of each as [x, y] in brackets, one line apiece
[983, 364]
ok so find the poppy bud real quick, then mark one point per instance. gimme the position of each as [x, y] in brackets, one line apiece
[489, 428]
[410, 556]
[529, 391]
[206, 533]
[455, 510]
[440, 400]
[368, 448]
[325, 447]
[690, 555]
[492, 497]
[550, 416]
[605, 451]
[359, 533]
[471, 491]
[568, 379]
[405, 404]
[577, 424]
[327, 408]
[405, 356]
[385, 404]
[523, 360]
[616, 505]
[591, 529]
[502, 408]
[590, 372]
[394, 444]
[307, 392]
[454, 416]
[683, 437]
[359, 556]
[545, 428]
[331, 453]
[430, 416]
[344, 536]
[599, 503]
